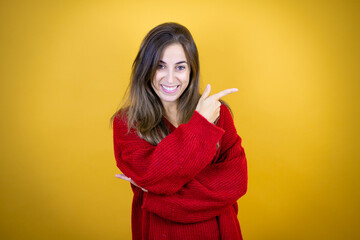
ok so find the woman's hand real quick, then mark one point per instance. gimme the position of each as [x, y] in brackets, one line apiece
[209, 106]
[122, 176]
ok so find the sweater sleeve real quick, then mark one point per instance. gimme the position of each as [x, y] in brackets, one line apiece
[165, 168]
[213, 190]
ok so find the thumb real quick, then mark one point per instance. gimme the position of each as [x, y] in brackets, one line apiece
[206, 92]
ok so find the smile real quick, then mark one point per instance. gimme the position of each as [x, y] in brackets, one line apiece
[169, 89]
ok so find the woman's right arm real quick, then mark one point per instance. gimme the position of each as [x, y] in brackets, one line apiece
[216, 188]
[178, 158]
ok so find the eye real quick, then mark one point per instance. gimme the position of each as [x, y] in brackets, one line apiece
[161, 66]
[181, 68]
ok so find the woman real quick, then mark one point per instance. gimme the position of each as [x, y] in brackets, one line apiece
[179, 149]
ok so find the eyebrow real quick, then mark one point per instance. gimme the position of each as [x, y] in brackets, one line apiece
[175, 63]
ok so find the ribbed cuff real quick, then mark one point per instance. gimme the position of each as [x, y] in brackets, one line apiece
[202, 124]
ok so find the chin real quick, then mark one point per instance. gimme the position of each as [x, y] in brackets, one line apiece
[169, 100]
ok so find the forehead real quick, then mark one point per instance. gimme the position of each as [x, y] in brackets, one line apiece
[173, 53]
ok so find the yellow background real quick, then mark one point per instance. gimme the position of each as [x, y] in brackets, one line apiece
[65, 66]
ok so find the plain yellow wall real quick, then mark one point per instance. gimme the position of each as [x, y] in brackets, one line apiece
[65, 66]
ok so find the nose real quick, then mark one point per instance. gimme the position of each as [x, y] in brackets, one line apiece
[171, 76]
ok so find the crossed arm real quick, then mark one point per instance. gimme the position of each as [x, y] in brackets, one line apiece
[165, 168]
[207, 191]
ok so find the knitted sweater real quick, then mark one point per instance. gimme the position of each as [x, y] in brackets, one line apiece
[192, 185]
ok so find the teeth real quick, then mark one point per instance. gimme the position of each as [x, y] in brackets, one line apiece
[170, 89]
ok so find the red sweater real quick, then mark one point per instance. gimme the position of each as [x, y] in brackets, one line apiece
[192, 186]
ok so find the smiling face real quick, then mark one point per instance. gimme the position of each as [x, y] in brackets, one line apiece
[172, 75]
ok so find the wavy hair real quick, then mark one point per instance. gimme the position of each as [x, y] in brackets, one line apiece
[143, 108]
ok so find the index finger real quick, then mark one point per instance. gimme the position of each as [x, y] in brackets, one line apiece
[122, 176]
[223, 93]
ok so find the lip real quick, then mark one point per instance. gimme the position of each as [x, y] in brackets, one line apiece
[167, 91]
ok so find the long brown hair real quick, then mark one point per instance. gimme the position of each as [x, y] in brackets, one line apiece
[143, 108]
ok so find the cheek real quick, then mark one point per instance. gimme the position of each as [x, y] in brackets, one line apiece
[154, 83]
[161, 75]
[186, 77]
[156, 78]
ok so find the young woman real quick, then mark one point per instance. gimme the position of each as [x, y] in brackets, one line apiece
[179, 149]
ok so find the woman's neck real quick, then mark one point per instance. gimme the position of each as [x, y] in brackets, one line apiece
[171, 112]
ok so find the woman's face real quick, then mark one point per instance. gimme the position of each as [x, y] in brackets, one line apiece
[172, 75]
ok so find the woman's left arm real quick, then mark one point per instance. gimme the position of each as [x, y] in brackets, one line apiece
[217, 187]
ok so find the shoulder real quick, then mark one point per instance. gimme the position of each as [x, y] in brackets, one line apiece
[225, 111]
[120, 120]
[120, 116]
[226, 120]
[121, 130]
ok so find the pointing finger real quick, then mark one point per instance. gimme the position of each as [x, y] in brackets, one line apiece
[122, 176]
[223, 93]
[206, 92]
